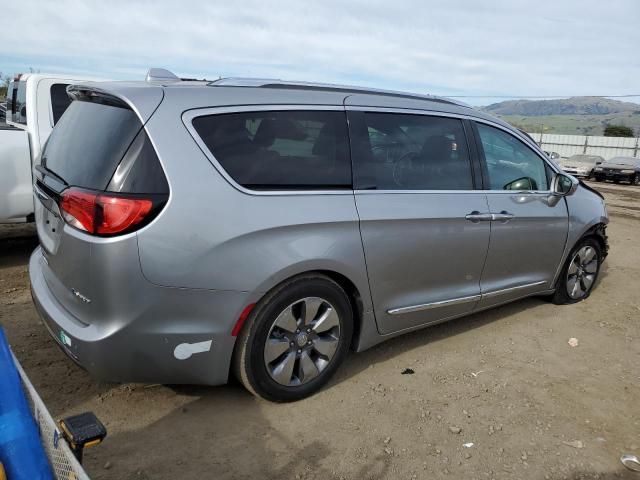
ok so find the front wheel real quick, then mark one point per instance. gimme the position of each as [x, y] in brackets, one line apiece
[295, 339]
[579, 273]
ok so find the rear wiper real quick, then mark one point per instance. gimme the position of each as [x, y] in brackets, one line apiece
[45, 171]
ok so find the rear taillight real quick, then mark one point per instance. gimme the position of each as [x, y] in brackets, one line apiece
[104, 213]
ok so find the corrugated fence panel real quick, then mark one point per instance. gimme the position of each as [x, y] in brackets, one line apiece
[606, 147]
[620, 142]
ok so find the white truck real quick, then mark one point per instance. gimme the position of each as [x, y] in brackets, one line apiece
[35, 102]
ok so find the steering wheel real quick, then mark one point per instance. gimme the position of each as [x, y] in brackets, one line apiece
[403, 165]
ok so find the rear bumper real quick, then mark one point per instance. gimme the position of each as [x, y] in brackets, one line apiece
[177, 336]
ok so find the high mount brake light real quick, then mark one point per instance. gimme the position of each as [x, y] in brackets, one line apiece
[102, 213]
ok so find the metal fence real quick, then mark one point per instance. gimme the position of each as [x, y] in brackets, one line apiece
[606, 147]
[63, 462]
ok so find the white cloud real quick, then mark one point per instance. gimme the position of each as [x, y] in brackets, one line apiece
[454, 47]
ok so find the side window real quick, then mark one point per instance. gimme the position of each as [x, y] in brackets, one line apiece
[510, 163]
[19, 108]
[412, 152]
[59, 100]
[11, 94]
[292, 150]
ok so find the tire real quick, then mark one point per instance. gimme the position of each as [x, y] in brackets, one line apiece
[282, 372]
[636, 179]
[564, 293]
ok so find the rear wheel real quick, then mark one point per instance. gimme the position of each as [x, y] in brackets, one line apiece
[636, 179]
[579, 273]
[295, 339]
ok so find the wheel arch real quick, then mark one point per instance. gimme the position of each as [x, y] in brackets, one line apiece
[599, 233]
[596, 231]
[358, 294]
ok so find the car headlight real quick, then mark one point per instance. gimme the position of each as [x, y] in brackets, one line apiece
[598, 169]
[628, 171]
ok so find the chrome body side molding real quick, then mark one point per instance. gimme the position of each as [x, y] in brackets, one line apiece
[427, 306]
[457, 301]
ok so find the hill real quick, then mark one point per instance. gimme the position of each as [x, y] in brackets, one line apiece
[564, 106]
[573, 124]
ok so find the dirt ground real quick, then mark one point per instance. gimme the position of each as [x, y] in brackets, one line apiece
[505, 380]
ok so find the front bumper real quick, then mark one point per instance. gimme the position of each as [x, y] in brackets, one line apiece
[577, 173]
[615, 176]
[144, 348]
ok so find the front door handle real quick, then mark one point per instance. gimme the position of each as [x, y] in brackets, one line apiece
[476, 217]
[503, 216]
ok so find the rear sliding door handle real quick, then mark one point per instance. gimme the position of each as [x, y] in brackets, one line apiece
[503, 216]
[476, 217]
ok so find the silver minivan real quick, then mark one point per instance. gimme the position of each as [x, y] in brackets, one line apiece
[190, 229]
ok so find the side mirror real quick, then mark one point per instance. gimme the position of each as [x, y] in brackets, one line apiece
[562, 185]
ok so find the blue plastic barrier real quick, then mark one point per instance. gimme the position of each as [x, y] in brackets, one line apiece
[21, 452]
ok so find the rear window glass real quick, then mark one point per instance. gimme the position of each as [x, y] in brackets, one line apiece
[60, 101]
[17, 102]
[280, 150]
[9, 103]
[88, 143]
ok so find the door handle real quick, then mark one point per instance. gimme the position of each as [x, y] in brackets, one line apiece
[476, 217]
[503, 216]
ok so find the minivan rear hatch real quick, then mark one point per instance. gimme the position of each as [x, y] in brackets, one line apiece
[98, 180]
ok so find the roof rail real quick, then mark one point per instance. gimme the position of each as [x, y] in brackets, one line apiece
[161, 75]
[285, 84]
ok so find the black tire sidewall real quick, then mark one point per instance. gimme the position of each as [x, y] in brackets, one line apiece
[562, 294]
[257, 373]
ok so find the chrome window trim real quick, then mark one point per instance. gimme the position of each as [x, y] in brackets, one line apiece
[461, 300]
[405, 111]
[189, 115]
[427, 192]
[437, 113]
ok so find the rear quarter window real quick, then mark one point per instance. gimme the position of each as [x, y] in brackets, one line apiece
[60, 101]
[274, 150]
[103, 146]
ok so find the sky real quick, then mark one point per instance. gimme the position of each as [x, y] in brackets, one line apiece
[452, 48]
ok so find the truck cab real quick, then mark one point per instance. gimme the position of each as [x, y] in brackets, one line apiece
[35, 102]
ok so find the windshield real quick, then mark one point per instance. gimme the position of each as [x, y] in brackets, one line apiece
[625, 161]
[585, 159]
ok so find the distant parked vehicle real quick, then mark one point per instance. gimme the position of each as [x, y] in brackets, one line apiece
[35, 102]
[580, 165]
[626, 169]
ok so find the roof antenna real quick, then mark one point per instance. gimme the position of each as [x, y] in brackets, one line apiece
[161, 75]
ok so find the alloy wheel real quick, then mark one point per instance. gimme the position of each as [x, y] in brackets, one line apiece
[582, 272]
[302, 341]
